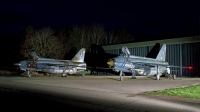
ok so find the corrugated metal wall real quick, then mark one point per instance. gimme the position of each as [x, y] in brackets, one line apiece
[191, 57]
[173, 57]
[185, 54]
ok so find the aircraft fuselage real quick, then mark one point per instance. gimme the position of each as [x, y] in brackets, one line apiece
[142, 65]
[53, 66]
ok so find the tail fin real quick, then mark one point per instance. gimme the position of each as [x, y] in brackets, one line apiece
[79, 57]
[154, 51]
[162, 53]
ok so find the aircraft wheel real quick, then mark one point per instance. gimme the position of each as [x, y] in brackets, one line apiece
[83, 75]
[133, 77]
[121, 78]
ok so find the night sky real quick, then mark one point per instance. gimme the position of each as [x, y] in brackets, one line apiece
[152, 17]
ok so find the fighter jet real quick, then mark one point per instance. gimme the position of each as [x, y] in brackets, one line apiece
[54, 66]
[140, 65]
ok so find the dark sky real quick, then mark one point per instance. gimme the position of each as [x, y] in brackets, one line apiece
[153, 17]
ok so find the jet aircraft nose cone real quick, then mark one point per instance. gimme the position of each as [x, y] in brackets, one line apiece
[111, 63]
[16, 64]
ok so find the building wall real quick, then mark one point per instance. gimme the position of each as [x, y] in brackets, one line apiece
[180, 52]
[191, 57]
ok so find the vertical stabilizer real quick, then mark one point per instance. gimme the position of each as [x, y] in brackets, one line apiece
[162, 53]
[79, 57]
[154, 51]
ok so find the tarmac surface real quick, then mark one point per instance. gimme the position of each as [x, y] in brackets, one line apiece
[93, 93]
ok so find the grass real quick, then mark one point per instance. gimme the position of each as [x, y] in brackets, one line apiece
[192, 92]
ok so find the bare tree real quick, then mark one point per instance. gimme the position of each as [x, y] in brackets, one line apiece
[79, 37]
[64, 39]
[45, 44]
[97, 34]
[85, 37]
[27, 32]
[111, 38]
[123, 35]
[74, 37]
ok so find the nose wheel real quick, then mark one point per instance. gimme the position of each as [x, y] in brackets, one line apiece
[29, 74]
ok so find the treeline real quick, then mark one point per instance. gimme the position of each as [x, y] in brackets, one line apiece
[47, 42]
[56, 43]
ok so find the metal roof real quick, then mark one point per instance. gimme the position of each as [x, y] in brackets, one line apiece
[192, 39]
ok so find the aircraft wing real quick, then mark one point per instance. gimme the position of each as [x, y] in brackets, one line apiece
[150, 64]
[154, 65]
[62, 65]
[172, 66]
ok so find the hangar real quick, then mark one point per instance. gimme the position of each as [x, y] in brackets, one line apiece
[183, 51]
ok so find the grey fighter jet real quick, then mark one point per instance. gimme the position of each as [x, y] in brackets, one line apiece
[53, 66]
[141, 65]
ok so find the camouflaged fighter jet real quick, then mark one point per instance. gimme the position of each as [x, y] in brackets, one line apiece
[53, 66]
[141, 65]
